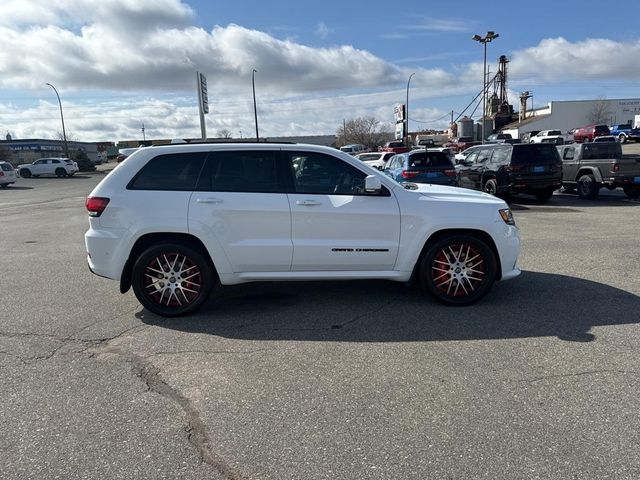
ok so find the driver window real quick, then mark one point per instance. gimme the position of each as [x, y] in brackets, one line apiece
[323, 174]
[471, 158]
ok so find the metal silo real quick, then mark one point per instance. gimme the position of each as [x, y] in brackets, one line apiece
[465, 127]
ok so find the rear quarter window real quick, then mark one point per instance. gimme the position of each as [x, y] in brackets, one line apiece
[605, 150]
[175, 172]
[534, 153]
[429, 160]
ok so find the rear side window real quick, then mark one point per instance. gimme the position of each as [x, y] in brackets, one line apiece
[175, 171]
[605, 150]
[241, 171]
[429, 160]
[500, 155]
[534, 153]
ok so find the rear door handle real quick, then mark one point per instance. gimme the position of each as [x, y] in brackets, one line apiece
[307, 203]
[208, 200]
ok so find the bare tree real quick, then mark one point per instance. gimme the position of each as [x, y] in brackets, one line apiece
[224, 133]
[365, 130]
[600, 112]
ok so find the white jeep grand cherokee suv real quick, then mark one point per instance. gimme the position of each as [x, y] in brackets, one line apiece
[177, 221]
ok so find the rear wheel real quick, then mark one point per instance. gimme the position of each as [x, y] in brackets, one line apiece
[631, 191]
[544, 195]
[4, 185]
[25, 173]
[622, 138]
[458, 269]
[588, 187]
[61, 172]
[172, 279]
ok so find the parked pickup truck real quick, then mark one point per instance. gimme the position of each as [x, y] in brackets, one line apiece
[625, 133]
[589, 166]
[460, 144]
[551, 136]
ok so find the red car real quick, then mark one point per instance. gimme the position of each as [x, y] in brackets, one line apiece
[395, 147]
[589, 132]
[461, 144]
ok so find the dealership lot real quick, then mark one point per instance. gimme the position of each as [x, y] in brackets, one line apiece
[313, 380]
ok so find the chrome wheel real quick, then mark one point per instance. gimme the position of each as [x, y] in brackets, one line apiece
[458, 270]
[172, 280]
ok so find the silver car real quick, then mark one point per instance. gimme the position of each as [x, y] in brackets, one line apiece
[7, 174]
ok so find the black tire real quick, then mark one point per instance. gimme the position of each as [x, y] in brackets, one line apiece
[5, 185]
[25, 173]
[631, 191]
[491, 187]
[159, 285]
[544, 195]
[460, 262]
[588, 187]
[61, 172]
[622, 138]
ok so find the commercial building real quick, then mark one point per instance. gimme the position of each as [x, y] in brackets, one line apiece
[29, 150]
[570, 114]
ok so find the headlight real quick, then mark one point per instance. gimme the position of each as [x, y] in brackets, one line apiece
[507, 216]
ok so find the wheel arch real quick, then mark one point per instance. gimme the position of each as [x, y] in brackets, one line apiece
[484, 236]
[589, 171]
[150, 239]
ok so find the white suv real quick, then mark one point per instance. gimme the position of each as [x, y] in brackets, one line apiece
[177, 221]
[60, 167]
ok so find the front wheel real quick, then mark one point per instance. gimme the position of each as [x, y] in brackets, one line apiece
[491, 187]
[172, 279]
[25, 173]
[458, 269]
[622, 138]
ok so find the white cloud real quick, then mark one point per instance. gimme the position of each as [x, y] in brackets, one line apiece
[150, 48]
[322, 30]
[440, 25]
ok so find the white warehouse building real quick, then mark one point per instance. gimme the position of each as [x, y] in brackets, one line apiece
[569, 114]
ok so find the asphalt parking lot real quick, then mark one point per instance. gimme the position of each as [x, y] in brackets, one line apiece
[356, 380]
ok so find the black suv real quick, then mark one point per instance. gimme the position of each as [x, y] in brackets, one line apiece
[502, 169]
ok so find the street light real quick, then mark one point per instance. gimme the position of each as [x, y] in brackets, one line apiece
[64, 133]
[484, 40]
[406, 110]
[255, 110]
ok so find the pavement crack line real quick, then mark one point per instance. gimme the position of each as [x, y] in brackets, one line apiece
[214, 352]
[195, 428]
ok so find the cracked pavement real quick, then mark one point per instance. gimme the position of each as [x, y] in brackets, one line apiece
[358, 380]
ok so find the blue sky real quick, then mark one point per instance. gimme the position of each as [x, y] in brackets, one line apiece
[120, 63]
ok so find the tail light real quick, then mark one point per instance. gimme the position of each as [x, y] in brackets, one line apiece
[449, 172]
[616, 167]
[410, 174]
[1, 173]
[514, 168]
[96, 205]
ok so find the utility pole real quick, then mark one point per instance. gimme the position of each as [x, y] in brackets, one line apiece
[484, 40]
[144, 138]
[255, 109]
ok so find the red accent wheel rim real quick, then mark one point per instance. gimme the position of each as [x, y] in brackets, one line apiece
[458, 270]
[172, 280]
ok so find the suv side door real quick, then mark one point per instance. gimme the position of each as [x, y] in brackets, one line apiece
[335, 224]
[40, 167]
[240, 210]
[474, 172]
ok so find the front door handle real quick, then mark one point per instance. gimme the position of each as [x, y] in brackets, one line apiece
[208, 200]
[307, 203]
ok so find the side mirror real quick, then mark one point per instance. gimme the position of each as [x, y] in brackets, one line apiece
[372, 184]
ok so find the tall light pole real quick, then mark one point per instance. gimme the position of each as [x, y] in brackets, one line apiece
[255, 110]
[64, 132]
[406, 111]
[484, 40]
